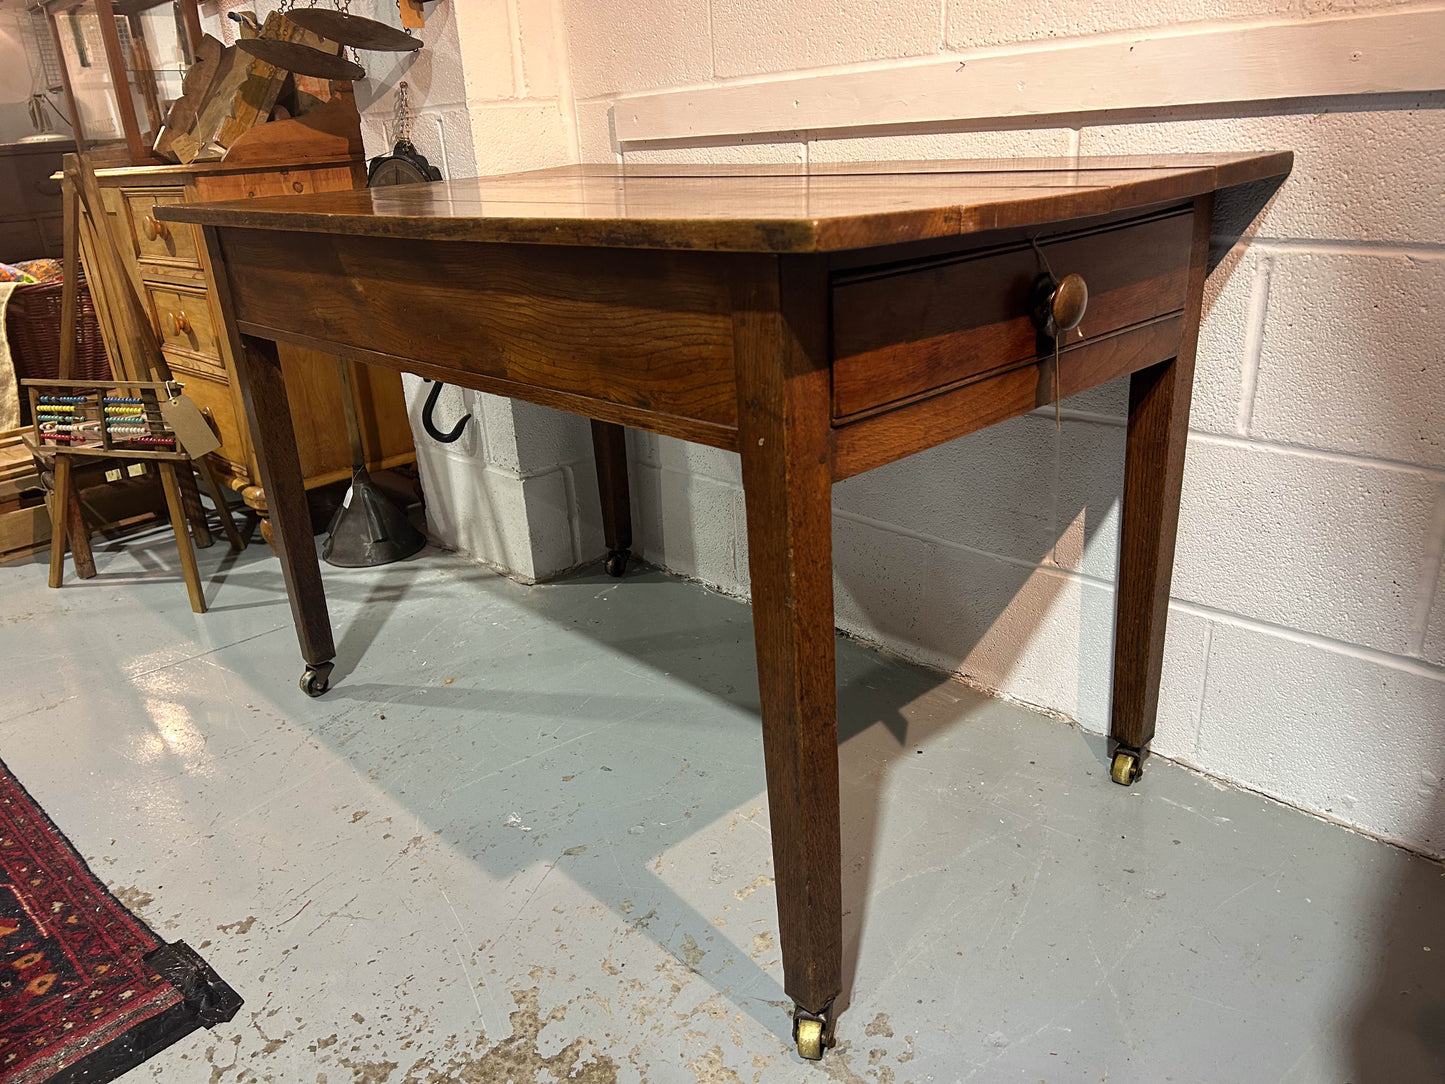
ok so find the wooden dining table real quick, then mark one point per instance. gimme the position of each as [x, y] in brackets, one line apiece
[820, 320]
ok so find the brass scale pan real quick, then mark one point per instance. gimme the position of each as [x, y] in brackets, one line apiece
[338, 26]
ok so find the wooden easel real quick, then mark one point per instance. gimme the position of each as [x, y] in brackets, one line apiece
[139, 365]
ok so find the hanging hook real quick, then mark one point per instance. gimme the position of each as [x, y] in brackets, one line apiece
[429, 424]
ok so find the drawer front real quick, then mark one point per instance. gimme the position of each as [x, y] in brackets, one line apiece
[166, 243]
[214, 395]
[901, 332]
[183, 315]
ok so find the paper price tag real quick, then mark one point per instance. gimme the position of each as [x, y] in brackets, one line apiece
[190, 426]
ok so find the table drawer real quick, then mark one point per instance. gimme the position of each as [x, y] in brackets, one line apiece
[906, 330]
[169, 243]
[183, 315]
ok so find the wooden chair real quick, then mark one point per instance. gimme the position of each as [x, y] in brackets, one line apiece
[141, 369]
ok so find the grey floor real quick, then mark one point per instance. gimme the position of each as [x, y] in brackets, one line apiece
[525, 838]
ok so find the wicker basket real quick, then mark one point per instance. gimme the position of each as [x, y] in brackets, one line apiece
[32, 323]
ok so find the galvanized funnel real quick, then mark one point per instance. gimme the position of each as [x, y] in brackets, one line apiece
[368, 529]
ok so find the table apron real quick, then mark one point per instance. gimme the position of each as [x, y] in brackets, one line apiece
[618, 334]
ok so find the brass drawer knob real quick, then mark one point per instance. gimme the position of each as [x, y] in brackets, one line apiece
[154, 228]
[1057, 305]
[1066, 307]
[180, 323]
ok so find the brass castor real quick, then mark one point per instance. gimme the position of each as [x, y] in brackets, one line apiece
[317, 679]
[1127, 767]
[617, 562]
[811, 1032]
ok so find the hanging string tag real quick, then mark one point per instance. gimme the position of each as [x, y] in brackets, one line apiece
[1058, 308]
[186, 421]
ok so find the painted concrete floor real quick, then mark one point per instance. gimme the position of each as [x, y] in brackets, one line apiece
[525, 838]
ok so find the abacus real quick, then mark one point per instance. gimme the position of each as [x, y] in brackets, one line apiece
[84, 418]
[123, 421]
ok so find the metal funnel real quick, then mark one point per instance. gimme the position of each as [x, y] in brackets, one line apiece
[368, 529]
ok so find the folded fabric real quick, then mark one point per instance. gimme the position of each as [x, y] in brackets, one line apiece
[11, 273]
[41, 270]
[9, 386]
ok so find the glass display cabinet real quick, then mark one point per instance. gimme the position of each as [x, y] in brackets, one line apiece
[122, 63]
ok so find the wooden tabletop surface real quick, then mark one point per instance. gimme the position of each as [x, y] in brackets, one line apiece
[747, 208]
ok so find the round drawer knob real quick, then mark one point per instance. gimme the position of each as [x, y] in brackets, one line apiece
[154, 228]
[180, 323]
[1066, 307]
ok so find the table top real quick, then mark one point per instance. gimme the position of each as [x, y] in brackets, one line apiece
[784, 208]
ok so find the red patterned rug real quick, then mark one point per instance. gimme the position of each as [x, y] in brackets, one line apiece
[87, 991]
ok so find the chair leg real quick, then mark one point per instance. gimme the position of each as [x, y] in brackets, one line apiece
[59, 520]
[218, 495]
[189, 570]
[195, 513]
[79, 536]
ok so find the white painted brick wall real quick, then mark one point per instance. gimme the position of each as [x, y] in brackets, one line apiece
[971, 25]
[1326, 726]
[1395, 188]
[1433, 647]
[1351, 341]
[1047, 142]
[754, 36]
[1308, 629]
[644, 43]
[1319, 544]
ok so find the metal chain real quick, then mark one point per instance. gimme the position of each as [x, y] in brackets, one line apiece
[401, 115]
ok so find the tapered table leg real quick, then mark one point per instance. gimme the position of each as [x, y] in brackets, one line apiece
[609, 447]
[1153, 472]
[263, 390]
[783, 435]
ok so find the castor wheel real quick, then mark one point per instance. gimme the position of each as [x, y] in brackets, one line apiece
[1128, 766]
[617, 562]
[317, 679]
[811, 1033]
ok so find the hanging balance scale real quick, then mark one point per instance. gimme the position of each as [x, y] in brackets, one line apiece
[338, 25]
[369, 529]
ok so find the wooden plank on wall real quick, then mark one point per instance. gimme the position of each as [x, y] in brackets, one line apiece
[1360, 53]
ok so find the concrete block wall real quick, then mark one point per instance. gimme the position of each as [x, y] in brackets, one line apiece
[1306, 653]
